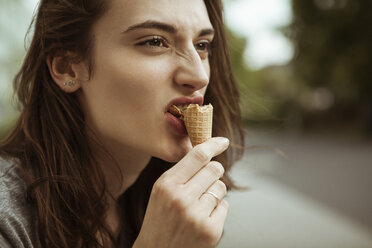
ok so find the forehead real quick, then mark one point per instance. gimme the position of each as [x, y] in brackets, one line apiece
[184, 14]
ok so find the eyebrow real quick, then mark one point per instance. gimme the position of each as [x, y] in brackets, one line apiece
[164, 27]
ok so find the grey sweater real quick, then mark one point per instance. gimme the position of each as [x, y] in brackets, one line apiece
[18, 227]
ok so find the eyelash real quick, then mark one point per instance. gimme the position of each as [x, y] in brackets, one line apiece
[207, 46]
[153, 39]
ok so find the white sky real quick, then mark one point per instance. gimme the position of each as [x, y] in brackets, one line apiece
[257, 20]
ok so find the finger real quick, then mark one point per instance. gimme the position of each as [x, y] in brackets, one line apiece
[208, 202]
[219, 214]
[198, 157]
[205, 177]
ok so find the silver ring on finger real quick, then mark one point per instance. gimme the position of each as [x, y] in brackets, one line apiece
[215, 196]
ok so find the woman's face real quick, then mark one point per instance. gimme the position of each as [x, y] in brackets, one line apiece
[147, 54]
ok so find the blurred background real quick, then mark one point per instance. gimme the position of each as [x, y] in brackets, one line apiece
[303, 67]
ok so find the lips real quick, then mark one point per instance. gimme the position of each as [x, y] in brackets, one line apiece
[177, 125]
[184, 101]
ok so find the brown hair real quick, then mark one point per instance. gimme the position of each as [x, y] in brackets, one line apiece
[50, 142]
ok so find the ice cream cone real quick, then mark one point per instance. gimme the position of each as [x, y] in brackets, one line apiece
[198, 122]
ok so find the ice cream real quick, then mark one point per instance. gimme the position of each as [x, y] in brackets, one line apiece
[197, 119]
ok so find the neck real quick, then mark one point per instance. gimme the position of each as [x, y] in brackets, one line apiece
[121, 169]
[120, 165]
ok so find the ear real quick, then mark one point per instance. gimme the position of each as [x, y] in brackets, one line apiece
[66, 74]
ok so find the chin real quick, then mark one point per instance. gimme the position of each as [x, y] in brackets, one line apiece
[176, 152]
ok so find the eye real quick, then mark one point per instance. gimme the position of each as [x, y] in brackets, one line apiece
[155, 41]
[203, 46]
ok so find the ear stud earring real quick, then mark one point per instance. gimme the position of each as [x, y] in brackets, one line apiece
[69, 83]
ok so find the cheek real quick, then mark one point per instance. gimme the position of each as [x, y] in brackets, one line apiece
[133, 80]
[126, 95]
[134, 76]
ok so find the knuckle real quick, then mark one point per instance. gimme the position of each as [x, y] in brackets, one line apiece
[159, 186]
[225, 204]
[221, 187]
[163, 187]
[179, 204]
[192, 217]
[200, 154]
[209, 234]
[166, 191]
[216, 168]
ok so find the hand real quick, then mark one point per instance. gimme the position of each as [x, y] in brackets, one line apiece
[180, 213]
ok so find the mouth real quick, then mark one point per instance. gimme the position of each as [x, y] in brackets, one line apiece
[175, 120]
[177, 105]
[177, 110]
[173, 112]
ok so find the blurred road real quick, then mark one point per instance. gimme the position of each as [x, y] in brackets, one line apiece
[318, 195]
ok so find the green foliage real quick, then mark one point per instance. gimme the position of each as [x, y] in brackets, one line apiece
[327, 82]
[333, 49]
[6, 126]
[255, 106]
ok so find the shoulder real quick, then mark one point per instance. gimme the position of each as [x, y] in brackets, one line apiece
[11, 180]
[12, 186]
[17, 225]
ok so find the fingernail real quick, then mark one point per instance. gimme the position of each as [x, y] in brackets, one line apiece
[224, 142]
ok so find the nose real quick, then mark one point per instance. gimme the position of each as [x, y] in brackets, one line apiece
[192, 72]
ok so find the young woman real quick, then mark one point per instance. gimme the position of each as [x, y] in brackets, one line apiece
[95, 160]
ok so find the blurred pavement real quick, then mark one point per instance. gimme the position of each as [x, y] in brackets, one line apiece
[318, 195]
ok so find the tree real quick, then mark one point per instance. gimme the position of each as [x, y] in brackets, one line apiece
[332, 40]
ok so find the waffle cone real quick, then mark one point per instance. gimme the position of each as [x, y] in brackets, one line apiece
[198, 122]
